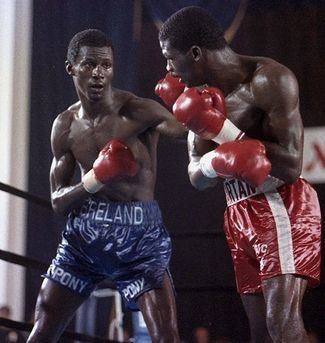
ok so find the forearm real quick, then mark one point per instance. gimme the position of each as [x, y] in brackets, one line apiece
[286, 164]
[66, 199]
[198, 180]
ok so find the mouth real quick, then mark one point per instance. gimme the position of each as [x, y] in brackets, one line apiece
[97, 87]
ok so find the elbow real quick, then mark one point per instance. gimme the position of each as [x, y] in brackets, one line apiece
[291, 173]
[295, 169]
[198, 183]
[195, 184]
[195, 175]
[58, 208]
[199, 186]
[292, 176]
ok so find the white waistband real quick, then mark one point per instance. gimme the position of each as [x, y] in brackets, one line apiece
[237, 190]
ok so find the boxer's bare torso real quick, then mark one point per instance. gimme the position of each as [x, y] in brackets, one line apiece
[104, 113]
[265, 106]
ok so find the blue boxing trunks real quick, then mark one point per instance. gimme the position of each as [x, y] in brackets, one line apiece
[123, 241]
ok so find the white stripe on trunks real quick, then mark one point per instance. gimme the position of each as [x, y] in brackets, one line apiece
[284, 235]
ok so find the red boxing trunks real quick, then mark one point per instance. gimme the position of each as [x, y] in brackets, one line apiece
[271, 231]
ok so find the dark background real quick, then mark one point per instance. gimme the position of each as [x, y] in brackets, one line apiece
[292, 32]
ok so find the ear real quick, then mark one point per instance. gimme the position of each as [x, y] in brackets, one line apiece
[196, 52]
[69, 67]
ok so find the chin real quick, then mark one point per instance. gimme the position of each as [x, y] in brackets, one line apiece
[95, 98]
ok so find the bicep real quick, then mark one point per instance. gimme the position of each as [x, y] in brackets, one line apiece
[171, 127]
[62, 171]
[282, 129]
[63, 163]
[164, 121]
[153, 115]
[279, 100]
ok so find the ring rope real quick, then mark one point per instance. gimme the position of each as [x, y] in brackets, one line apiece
[22, 260]
[25, 195]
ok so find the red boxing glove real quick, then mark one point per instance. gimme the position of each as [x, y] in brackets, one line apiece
[244, 160]
[203, 111]
[169, 89]
[114, 161]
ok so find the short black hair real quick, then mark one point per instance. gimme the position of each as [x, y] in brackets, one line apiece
[192, 26]
[89, 37]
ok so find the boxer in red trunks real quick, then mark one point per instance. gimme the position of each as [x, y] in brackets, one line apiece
[246, 131]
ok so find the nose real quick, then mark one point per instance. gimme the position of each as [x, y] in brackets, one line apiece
[98, 71]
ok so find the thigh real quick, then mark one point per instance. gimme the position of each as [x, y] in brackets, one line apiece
[284, 293]
[239, 230]
[159, 308]
[54, 309]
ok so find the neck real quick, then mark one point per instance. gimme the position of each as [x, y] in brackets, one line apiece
[227, 70]
[93, 109]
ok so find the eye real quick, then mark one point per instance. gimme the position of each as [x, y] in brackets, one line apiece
[107, 65]
[88, 64]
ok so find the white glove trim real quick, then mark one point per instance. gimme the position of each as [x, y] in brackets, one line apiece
[206, 165]
[90, 183]
[229, 132]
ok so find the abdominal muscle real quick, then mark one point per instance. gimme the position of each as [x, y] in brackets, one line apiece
[137, 188]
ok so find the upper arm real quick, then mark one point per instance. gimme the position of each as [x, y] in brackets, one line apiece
[169, 125]
[276, 93]
[63, 163]
[154, 115]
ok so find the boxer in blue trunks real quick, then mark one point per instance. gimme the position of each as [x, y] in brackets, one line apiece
[124, 241]
[114, 226]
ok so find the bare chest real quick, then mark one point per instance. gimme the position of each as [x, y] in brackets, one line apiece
[244, 113]
[88, 137]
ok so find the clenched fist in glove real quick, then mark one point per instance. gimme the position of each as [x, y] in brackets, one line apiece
[114, 161]
[244, 160]
[203, 111]
[169, 89]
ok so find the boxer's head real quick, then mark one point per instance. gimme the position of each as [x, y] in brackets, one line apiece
[90, 37]
[192, 26]
[186, 40]
[90, 62]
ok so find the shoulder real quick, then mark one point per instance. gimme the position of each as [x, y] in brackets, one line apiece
[271, 74]
[273, 80]
[75, 107]
[64, 119]
[61, 128]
